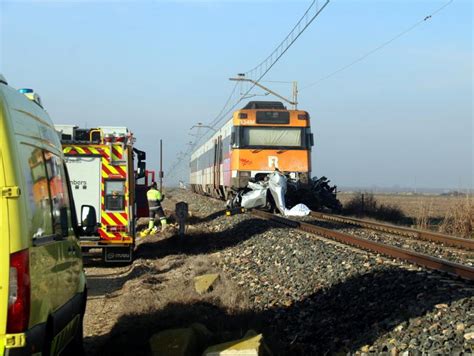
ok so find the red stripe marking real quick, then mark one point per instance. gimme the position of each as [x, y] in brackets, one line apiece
[102, 234]
[105, 235]
[115, 220]
[124, 215]
[105, 154]
[106, 170]
[116, 152]
[121, 171]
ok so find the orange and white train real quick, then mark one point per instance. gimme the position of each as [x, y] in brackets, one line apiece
[259, 138]
[100, 162]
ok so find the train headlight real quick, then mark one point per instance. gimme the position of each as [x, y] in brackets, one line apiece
[243, 115]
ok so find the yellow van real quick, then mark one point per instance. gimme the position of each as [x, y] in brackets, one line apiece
[42, 282]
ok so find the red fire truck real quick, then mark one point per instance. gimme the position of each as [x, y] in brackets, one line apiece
[102, 170]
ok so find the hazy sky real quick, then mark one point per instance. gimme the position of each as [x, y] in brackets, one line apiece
[402, 116]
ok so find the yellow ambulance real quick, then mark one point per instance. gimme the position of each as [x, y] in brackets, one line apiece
[42, 282]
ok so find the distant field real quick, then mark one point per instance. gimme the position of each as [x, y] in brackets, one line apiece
[448, 214]
[412, 205]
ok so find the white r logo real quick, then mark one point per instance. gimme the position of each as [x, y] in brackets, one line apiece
[272, 161]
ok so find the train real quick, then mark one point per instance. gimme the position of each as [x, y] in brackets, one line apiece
[258, 139]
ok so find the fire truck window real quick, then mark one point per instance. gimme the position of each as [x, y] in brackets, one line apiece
[38, 212]
[271, 137]
[62, 224]
[115, 195]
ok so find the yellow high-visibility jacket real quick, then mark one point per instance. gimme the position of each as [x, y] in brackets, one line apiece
[154, 197]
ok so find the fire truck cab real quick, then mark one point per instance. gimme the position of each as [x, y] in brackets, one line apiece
[101, 164]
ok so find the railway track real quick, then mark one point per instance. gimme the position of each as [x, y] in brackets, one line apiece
[421, 259]
[447, 240]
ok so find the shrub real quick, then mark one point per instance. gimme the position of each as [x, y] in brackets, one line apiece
[365, 204]
[459, 219]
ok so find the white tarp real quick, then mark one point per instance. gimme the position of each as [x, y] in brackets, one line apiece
[298, 210]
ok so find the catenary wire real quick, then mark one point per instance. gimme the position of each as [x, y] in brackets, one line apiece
[378, 48]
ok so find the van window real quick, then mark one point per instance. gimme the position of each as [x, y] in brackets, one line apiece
[36, 184]
[60, 203]
[115, 195]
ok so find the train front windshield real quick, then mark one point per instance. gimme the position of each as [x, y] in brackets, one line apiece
[272, 137]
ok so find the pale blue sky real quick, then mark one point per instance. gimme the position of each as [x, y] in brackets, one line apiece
[402, 116]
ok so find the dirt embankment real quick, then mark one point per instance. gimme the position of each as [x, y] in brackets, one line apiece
[127, 304]
[307, 296]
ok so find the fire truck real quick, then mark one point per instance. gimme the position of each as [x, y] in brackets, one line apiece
[103, 173]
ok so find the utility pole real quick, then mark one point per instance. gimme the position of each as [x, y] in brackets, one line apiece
[294, 102]
[161, 166]
[295, 94]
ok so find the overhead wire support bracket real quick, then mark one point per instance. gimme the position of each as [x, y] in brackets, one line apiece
[294, 102]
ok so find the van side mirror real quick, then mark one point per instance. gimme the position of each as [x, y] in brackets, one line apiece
[141, 167]
[88, 219]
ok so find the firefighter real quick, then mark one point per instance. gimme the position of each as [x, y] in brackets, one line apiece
[155, 198]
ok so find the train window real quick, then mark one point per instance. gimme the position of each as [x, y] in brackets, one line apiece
[234, 137]
[115, 195]
[272, 137]
[273, 117]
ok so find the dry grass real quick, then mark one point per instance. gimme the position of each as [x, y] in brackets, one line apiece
[459, 220]
[447, 214]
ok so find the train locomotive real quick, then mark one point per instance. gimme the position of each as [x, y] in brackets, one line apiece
[260, 138]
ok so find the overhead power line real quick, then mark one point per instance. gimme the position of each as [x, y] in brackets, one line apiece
[262, 69]
[308, 17]
[267, 64]
[378, 48]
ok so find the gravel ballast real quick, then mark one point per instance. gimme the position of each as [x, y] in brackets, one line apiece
[316, 296]
[307, 295]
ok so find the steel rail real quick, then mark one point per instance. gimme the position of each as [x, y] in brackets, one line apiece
[430, 262]
[448, 240]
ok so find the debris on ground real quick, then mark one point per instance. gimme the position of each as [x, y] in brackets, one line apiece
[174, 342]
[247, 346]
[318, 195]
[204, 283]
